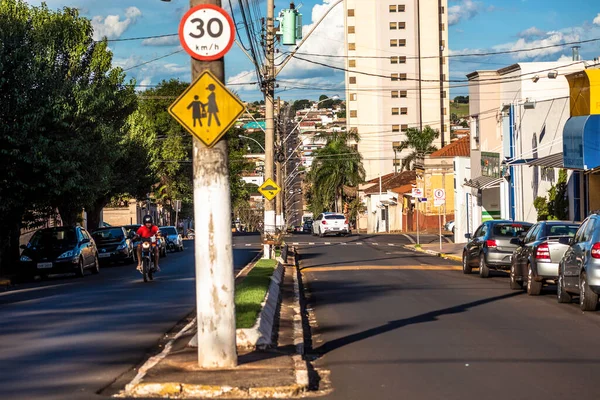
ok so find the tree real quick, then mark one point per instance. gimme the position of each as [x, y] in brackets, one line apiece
[335, 165]
[454, 118]
[301, 104]
[461, 99]
[419, 143]
[556, 207]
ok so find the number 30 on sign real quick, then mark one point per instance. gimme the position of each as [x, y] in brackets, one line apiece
[206, 32]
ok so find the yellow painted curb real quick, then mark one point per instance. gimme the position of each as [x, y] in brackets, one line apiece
[382, 268]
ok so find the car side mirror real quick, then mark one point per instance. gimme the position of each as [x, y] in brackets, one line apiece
[468, 235]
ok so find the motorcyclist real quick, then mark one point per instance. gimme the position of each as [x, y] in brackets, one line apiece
[146, 231]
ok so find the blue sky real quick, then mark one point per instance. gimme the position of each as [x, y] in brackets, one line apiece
[475, 26]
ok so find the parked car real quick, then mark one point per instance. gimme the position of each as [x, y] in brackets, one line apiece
[307, 227]
[449, 226]
[330, 222]
[65, 249]
[490, 246]
[579, 269]
[161, 243]
[536, 259]
[114, 245]
[171, 235]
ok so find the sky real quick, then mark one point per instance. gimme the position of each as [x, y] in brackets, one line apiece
[474, 27]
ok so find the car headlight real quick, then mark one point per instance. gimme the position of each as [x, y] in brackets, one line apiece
[68, 254]
[25, 258]
[122, 246]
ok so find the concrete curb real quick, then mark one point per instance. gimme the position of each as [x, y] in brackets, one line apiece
[189, 391]
[435, 253]
[261, 334]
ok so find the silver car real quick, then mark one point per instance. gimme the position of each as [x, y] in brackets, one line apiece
[579, 269]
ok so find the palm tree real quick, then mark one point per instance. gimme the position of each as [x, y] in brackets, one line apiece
[335, 165]
[420, 142]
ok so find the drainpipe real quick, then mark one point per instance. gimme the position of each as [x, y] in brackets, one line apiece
[511, 189]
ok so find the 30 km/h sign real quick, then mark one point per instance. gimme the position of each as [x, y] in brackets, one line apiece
[439, 197]
[206, 32]
[207, 109]
[269, 189]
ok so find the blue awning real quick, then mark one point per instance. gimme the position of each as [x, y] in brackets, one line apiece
[581, 142]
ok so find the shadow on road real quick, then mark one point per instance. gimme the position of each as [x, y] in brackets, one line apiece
[392, 325]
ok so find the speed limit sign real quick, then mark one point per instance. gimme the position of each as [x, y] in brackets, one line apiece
[439, 197]
[206, 32]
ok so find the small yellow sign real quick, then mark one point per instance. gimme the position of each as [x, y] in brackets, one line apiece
[207, 109]
[269, 189]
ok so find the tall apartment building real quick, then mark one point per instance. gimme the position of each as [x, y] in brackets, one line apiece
[397, 73]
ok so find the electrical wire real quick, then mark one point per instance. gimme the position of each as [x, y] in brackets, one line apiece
[153, 60]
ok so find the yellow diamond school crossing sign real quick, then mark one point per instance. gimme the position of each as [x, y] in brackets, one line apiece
[269, 189]
[207, 109]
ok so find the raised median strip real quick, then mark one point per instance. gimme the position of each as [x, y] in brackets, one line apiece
[417, 248]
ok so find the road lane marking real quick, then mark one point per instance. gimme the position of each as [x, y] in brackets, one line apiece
[344, 244]
[375, 244]
[248, 244]
[311, 243]
[295, 243]
[359, 244]
[382, 268]
[327, 242]
[391, 244]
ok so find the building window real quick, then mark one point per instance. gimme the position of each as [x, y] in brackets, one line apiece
[393, 25]
[445, 112]
[443, 94]
[395, 128]
[393, 8]
[443, 77]
[402, 77]
[394, 94]
[402, 59]
[352, 79]
[402, 42]
[403, 94]
[393, 42]
[443, 60]
[404, 127]
[353, 114]
[442, 10]
[353, 96]
[442, 44]
[404, 111]
[394, 59]
[442, 27]
[401, 25]
[352, 63]
[401, 7]
[351, 29]
[351, 46]
[394, 77]
[351, 12]
[395, 111]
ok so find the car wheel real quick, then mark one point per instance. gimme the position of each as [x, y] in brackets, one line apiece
[588, 300]
[514, 283]
[467, 269]
[561, 294]
[484, 271]
[96, 267]
[534, 288]
[80, 272]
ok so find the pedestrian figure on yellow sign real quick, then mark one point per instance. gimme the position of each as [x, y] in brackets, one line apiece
[213, 109]
[197, 110]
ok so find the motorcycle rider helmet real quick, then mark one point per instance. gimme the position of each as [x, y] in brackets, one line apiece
[147, 219]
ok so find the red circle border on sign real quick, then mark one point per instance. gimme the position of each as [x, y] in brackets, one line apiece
[186, 47]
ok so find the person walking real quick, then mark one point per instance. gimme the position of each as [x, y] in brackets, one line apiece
[213, 109]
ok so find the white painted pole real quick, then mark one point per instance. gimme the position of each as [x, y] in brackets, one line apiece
[440, 222]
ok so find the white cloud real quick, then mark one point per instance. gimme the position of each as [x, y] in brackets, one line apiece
[161, 41]
[565, 58]
[112, 26]
[531, 33]
[466, 10]
[552, 38]
[597, 19]
[244, 81]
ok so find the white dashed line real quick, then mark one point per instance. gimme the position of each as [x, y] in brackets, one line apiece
[327, 242]
[344, 244]
[391, 244]
[295, 243]
[359, 244]
[248, 244]
[375, 244]
[311, 243]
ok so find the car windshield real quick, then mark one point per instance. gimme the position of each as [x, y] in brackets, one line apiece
[561, 230]
[108, 235]
[510, 230]
[168, 230]
[335, 217]
[54, 238]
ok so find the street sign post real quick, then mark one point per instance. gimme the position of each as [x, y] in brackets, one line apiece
[269, 189]
[439, 199]
[417, 194]
[206, 32]
[207, 109]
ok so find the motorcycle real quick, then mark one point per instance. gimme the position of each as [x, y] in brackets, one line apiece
[148, 251]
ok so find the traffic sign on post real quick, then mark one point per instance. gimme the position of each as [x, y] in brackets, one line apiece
[439, 197]
[207, 109]
[206, 32]
[269, 189]
[417, 192]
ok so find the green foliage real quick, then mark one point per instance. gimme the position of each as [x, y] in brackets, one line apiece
[541, 205]
[420, 144]
[250, 293]
[461, 99]
[301, 104]
[557, 205]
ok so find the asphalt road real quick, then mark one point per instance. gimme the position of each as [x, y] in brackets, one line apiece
[68, 337]
[394, 324]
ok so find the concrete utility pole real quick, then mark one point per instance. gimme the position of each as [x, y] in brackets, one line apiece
[269, 89]
[278, 169]
[215, 306]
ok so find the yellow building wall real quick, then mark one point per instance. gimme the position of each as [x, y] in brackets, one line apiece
[584, 92]
[437, 180]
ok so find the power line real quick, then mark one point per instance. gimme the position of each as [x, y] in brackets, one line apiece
[139, 38]
[153, 60]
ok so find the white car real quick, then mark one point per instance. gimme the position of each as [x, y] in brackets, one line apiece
[328, 223]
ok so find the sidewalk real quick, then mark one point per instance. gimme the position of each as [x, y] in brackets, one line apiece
[276, 372]
[450, 251]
